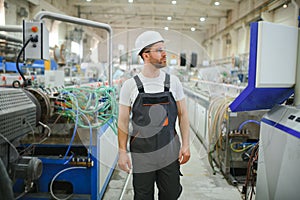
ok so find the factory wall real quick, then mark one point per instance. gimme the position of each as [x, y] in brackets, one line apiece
[223, 43]
[176, 43]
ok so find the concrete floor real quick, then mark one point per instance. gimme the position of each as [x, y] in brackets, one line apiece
[197, 180]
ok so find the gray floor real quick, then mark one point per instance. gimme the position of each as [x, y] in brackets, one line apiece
[197, 180]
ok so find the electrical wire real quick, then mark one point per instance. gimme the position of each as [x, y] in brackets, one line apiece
[250, 171]
[89, 108]
[26, 190]
[98, 104]
[18, 58]
[91, 136]
[56, 175]
[247, 146]
[40, 142]
[76, 124]
[6, 191]
[13, 146]
[217, 114]
[33, 135]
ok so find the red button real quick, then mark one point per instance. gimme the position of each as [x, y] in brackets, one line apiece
[34, 29]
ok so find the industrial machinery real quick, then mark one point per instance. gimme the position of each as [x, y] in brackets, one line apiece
[227, 118]
[226, 135]
[277, 176]
[273, 161]
[53, 139]
[18, 116]
[57, 131]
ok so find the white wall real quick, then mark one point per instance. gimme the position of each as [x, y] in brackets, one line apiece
[286, 16]
[238, 26]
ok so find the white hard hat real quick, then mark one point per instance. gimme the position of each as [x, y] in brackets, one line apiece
[147, 38]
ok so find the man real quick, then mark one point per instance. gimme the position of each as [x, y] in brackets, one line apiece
[154, 99]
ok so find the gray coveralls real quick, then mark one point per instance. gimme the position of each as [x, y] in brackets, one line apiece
[154, 144]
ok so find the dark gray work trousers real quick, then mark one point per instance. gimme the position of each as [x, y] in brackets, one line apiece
[167, 180]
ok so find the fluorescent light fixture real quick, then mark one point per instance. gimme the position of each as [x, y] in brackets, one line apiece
[166, 28]
[217, 3]
[130, 1]
[193, 29]
[174, 2]
[169, 18]
[88, 0]
[202, 19]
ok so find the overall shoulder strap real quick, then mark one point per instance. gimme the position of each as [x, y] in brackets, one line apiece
[167, 82]
[139, 84]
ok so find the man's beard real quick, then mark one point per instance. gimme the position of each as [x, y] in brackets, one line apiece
[159, 64]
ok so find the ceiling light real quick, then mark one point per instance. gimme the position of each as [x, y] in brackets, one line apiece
[169, 18]
[202, 19]
[285, 5]
[193, 29]
[88, 0]
[217, 3]
[166, 28]
[130, 1]
[174, 2]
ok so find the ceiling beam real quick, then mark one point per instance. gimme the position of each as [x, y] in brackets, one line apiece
[137, 19]
[198, 5]
[99, 13]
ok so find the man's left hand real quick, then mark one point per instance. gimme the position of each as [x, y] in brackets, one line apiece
[184, 155]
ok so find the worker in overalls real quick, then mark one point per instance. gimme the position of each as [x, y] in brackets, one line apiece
[154, 100]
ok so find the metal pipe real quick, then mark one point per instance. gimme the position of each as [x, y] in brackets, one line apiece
[11, 39]
[85, 22]
[125, 186]
[11, 28]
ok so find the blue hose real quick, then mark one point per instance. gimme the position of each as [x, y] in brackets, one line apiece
[246, 122]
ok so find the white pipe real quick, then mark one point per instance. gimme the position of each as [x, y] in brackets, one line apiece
[11, 28]
[125, 186]
[85, 22]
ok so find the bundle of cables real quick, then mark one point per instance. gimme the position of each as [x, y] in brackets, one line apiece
[89, 108]
[217, 114]
[250, 182]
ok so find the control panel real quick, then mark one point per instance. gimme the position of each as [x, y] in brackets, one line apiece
[35, 40]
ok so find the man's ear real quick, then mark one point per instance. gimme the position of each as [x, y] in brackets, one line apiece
[145, 55]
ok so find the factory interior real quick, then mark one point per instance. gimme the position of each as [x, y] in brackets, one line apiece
[64, 62]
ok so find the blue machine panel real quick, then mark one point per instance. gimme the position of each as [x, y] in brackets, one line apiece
[86, 182]
[252, 98]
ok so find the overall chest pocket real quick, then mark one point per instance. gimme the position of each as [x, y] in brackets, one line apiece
[156, 109]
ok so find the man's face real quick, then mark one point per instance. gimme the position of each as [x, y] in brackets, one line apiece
[157, 55]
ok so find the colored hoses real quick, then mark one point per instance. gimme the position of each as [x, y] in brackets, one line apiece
[89, 108]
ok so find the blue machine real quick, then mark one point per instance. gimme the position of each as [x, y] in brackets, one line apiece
[278, 174]
[80, 177]
[37, 64]
[271, 75]
[272, 69]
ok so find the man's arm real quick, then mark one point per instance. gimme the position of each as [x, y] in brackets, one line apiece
[184, 154]
[123, 121]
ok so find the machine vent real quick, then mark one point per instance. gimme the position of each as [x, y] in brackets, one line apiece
[17, 114]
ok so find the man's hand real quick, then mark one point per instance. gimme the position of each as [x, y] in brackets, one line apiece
[184, 155]
[124, 162]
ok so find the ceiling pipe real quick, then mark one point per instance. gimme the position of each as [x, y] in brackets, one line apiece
[65, 18]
